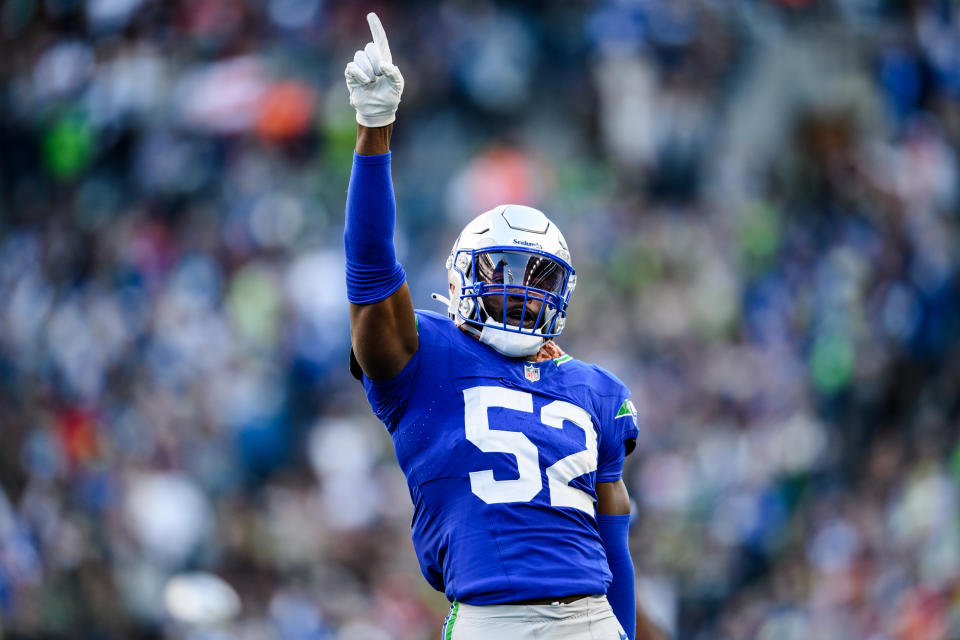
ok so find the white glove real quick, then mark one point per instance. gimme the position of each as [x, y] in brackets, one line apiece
[374, 82]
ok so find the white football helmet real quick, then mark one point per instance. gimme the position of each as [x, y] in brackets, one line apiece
[510, 279]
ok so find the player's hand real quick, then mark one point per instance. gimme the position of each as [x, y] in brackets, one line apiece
[374, 82]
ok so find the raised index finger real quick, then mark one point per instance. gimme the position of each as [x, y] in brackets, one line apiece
[379, 37]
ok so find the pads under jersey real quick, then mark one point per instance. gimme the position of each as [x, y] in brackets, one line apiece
[502, 457]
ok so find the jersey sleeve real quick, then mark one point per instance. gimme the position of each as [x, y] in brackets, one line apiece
[388, 398]
[618, 436]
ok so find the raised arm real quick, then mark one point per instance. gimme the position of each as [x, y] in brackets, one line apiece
[382, 325]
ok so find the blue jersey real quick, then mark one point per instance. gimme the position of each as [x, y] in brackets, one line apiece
[502, 457]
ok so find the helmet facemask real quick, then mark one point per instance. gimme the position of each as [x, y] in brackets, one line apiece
[519, 291]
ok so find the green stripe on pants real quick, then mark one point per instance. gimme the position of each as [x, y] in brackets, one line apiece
[451, 619]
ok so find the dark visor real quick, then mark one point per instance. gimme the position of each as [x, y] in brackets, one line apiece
[521, 269]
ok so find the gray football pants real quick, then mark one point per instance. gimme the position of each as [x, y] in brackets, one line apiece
[585, 619]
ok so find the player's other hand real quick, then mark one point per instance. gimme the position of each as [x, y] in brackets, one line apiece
[374, 82]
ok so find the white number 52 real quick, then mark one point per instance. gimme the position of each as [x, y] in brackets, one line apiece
[478, 400]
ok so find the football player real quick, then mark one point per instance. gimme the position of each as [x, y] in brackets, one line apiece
[512, 450]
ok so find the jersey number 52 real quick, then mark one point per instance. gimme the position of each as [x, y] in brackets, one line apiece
[478, 400]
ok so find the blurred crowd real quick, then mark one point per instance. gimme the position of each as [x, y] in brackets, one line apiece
[762, 199]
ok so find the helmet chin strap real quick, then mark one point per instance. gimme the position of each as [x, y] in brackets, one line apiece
[514, 345]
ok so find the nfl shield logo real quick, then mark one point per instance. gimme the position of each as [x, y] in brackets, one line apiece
[531, 372]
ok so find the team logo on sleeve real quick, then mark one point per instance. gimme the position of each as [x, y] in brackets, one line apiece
[627, 409]
[531, 372]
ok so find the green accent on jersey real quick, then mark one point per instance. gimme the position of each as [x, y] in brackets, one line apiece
[451, 619]
[625, 409]
[416, 322]
[562, 359]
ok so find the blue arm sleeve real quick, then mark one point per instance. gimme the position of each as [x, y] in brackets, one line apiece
[373, 273]
[613, 532]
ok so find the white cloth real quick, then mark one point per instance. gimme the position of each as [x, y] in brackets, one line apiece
[374, 82]
[589, 618]
[509, 343]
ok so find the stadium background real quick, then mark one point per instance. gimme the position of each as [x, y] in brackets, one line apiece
[761, 198]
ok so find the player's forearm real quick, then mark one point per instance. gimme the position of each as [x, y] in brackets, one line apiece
[373, 272]
[613, 521]
[621, 594]
[373, 141]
